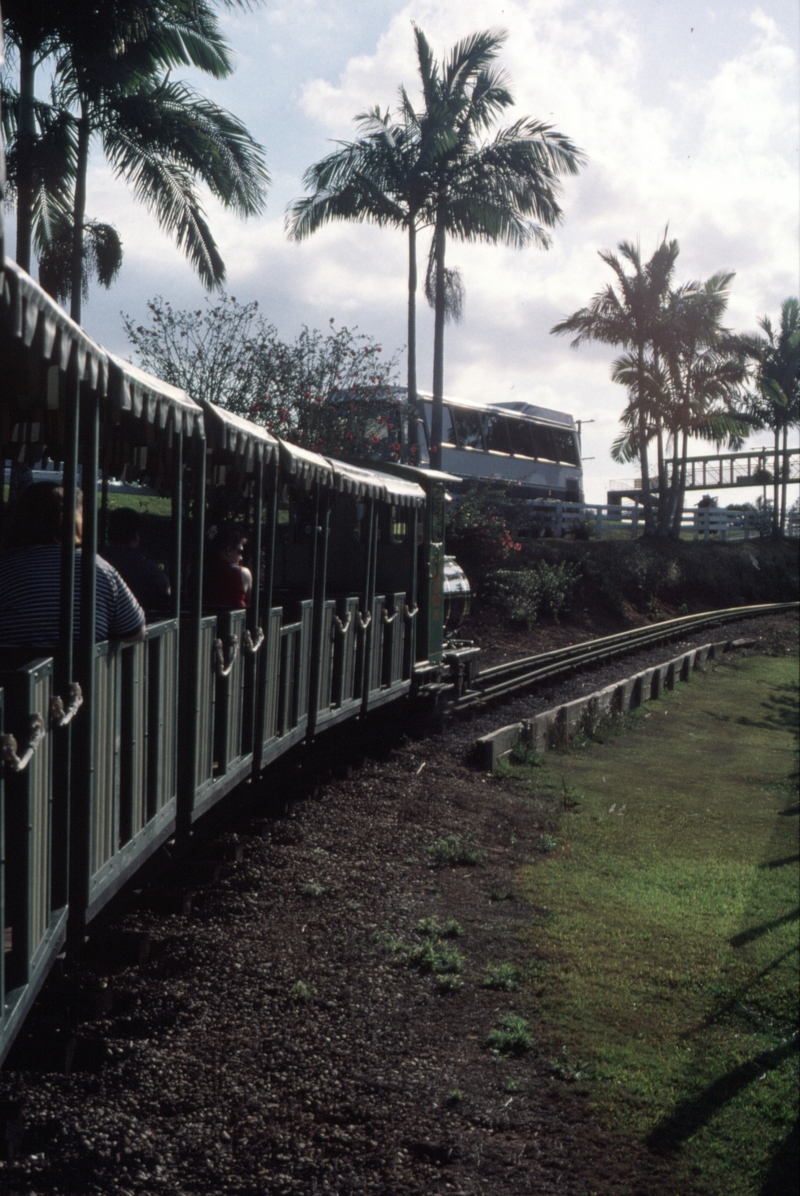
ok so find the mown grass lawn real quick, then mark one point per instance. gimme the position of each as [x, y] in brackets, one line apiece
[666, 955]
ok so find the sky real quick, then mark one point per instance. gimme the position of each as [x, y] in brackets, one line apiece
[689, 115]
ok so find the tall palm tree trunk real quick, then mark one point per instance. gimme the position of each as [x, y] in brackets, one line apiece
[412, 341]
[79, 215]
[647, 497]
[680, 495]
[26, 133]
[784, 476]
[438, 351]
[776, 475]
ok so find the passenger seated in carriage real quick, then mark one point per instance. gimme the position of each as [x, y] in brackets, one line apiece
[148, 583]
[30, 576]
[228, 582]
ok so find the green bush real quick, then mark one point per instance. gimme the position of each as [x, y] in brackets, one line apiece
[525, 594]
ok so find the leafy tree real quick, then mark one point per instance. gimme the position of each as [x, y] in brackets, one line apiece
[775, 403]
[330, 392]
[631, 316]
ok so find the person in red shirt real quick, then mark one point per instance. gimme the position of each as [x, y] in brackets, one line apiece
[230, 583]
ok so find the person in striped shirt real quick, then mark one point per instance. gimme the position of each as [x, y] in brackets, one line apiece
[30, 577]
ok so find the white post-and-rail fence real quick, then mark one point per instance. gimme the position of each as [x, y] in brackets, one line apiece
[601, 521]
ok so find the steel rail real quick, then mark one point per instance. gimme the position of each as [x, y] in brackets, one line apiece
[504, 679]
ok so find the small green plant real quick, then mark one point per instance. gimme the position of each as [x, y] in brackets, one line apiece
[454, 850]
[511, 1036]
[455, 1096]
[431, 956]
[300, 992]
[312, 888]
[502, 895]
[549, 842]
[513, 1085]
[525, 753]
[448, 983]
[683, 609]
[431, 928]
[387, 942]
[503, 977]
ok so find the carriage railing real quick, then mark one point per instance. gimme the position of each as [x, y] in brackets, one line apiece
[135, 747]
[33, 930]
[222, 753]
[285, 680]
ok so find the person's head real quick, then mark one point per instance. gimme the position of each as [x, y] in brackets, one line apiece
[124, 527]
[38, 516]
[231, 544]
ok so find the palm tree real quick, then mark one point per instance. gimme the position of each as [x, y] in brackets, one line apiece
[502, 190]
[775, 403]
[380, 177]
[158, 135]
[692, 378]
[428, 168]
[631, 316]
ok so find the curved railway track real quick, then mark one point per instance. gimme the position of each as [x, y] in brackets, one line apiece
[505, 679]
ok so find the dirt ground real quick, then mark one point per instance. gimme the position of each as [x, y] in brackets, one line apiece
[271, 1043]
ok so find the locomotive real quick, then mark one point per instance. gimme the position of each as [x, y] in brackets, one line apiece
[110, 749]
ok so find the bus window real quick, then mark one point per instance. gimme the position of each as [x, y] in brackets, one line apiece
[468, 428]
[448, 431]
[565, 447]
[519, 431]
[542, 442]
[496, 434]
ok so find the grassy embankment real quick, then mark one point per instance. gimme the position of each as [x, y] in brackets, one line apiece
[667, 955]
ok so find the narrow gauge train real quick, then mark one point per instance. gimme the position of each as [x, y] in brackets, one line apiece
[110, 748]
[534, 450]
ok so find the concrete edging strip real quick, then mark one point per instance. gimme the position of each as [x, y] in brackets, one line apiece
[558, 726]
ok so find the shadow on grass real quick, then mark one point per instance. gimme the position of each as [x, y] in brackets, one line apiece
[781, 863]
[692, 1114]
[731, 1004]
[756, 932]
[782, 710]
[784, 1171]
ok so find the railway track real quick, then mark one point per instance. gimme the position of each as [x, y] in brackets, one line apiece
[504, 679]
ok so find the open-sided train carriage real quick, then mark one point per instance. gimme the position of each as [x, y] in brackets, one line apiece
[98, 794]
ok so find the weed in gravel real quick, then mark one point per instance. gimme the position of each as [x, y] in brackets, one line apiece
[439, 957]
[448, 983]
[312, 888]
[513, 1085]
[549, 842]
[502, 895]
[431, 928]
[455, 1096]
[511, 1036]
[387, 942]
[453, 850]
[300, 992]
[502, 977]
